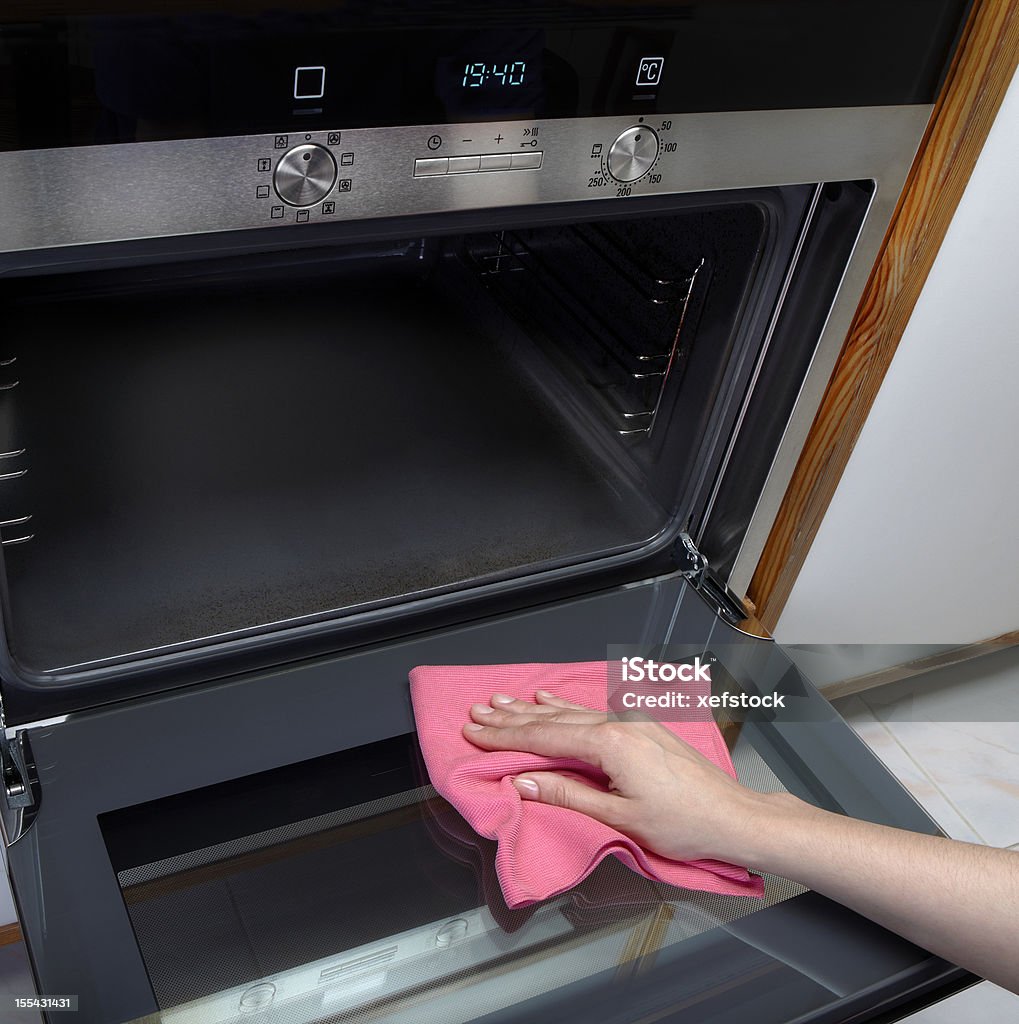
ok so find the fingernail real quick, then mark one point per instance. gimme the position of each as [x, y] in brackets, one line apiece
[543, 693]
[473, 727]
[502, 698]
[481, 709]
[527, 787]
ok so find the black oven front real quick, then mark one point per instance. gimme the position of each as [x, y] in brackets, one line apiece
[345, 338]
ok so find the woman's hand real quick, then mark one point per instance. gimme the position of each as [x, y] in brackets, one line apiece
[673, 801]
[663, 793]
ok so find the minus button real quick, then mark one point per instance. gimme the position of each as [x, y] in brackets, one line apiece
[464, 164]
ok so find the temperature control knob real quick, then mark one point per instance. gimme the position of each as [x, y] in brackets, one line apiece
[633, 153]
[305, 175]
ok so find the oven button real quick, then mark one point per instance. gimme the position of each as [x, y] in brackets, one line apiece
[451, 932]
[427, 166]
[495, 162]
[305, 175]
[527, 161]
[257, 998]
[633, 154]
[464, 164]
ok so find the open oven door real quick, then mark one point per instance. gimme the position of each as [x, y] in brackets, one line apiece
[289, 861]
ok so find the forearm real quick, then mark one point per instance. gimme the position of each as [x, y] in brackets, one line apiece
[958, 900]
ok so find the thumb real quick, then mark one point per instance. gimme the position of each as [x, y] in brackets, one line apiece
[553, 789]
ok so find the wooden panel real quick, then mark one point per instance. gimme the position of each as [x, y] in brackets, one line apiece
[10, 933]
[912, 669]
[974, 88]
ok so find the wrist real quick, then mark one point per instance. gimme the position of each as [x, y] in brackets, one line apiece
[760, 827]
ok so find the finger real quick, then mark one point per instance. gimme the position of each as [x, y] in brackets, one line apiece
[550, 739]
[544, 698]
[497, 718]
[553, 789]
[503, 701]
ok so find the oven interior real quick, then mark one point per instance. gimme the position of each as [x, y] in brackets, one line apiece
[204, 450]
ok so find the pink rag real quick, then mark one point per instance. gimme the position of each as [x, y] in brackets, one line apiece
[544, 850]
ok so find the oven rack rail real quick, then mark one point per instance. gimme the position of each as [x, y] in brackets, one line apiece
[624, 368]
[13, 529]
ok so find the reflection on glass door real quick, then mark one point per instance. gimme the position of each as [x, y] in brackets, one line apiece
[390, 910]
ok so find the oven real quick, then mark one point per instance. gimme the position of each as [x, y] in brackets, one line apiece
[342, 338]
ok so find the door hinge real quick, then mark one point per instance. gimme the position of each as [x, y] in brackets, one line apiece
[694, 567]
[19, 801]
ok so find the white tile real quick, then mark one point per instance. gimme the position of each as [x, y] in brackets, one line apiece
[983, 1002]
[899, 762]
[960, 726]
[973, 765]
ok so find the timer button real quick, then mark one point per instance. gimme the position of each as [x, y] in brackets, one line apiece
[633, 153]
[305, 175]
[426, 166]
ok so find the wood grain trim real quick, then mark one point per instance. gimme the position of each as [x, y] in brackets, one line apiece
[752, 624]
[9, 934]
[911, 669]
[981, 70]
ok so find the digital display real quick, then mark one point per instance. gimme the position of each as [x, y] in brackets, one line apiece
[482, 75]
[500, 74]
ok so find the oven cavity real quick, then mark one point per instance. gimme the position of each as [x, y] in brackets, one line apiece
[243, 447]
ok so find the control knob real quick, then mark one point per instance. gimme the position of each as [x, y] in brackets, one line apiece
[305, 175]
[633, 154]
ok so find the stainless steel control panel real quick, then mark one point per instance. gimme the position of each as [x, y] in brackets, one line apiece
[61, 197]
[427, 167]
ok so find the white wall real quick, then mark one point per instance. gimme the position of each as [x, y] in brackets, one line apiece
[921, 542]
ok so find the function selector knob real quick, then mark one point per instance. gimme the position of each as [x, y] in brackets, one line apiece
[305, 175]
[633, 153]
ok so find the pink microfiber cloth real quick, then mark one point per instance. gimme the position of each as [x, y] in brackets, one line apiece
[545, 850]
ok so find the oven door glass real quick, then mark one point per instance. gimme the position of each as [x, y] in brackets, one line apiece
[346, 889]
[390, 909]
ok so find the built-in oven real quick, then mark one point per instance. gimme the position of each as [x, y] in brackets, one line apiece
[343, 338]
